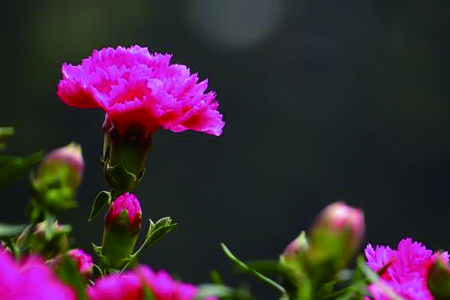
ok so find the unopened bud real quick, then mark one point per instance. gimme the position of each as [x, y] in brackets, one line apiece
[439, 279]
[334, 239]
[83, 261]
[58, 178]
[295, 249]
[122, 226]
[48, 242]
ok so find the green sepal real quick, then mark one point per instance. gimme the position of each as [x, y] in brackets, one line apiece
[68, 273]
[103, 198]
[120, 179]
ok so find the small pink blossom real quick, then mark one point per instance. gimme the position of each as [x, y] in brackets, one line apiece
[139, 90]
[132, 285]
[83, 260]
[406, 269]
[30, 280]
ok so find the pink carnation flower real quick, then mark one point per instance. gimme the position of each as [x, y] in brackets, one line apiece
[131, 286]
[142, 91]
[30, 280]
[406, 269]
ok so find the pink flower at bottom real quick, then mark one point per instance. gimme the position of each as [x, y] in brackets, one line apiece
[131, 286]
[406, 269]
[30, 280]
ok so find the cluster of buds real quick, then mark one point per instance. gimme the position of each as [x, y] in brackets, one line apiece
[48, 240]
[58, 178]
[329, 246]
[122, 226]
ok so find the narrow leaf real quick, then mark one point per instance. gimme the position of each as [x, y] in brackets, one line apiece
[18, 167]
[100, 201]
[252, 272]
[8, 230]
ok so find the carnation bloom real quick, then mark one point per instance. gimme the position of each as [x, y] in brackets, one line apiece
[30, 279]
[406, 269]
[132, 285]
[141, 91]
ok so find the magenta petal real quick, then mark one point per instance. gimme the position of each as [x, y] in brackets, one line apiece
[142, 91]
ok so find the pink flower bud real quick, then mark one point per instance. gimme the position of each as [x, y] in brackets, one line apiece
[439, 278]
[66, 159]
[58, 179]
[296, 248]
[342, 221]
[334, 239]
[83, 260]
[127, 204]
[122, 226]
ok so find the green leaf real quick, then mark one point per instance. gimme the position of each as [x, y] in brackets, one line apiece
[241, 265]
[5, 132]
[155, 232]
[16, 167]
[8, 230]
[68, 272]
[100, 201]
[221, 291]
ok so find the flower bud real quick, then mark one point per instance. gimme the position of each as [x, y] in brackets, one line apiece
[295, 249]
[334, 239]
[48, 242]
[82, 260]
[122, 226]
[58, 178]
[124, 156]
[439, 279]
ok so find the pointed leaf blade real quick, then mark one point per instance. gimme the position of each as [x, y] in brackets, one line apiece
[100, 201]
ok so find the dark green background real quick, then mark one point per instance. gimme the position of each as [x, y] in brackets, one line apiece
[323, 100]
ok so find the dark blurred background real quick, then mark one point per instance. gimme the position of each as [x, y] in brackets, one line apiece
[323, 100]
